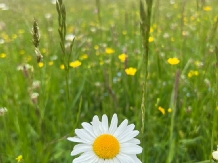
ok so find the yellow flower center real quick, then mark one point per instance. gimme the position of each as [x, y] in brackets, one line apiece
[106, 146]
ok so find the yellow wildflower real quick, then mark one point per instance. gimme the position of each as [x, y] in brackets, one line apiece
[109, 51]
[189, 74]
[215, 18]
[169, 110]
[50, 63]
[28, 58]
[70, 29]
[75, 64]
[150, 39]
[2, 55]
[22, 52]
[96, 47]
[185, 33]
[207, 8]
[197, 63]
[130, 71]
[5, 37]
[21, 31]
[162, 110]
[19, 158]
[62, 67]
[173, 61]
[84, 56]
[43, 50]
[124, 32]
[122, 57]
[192, 18]
[101, 62]
[14, 36]
[192, 73]
[151, 29]
[40, 64]
[196, 73]
[154, 25]
[185, 19]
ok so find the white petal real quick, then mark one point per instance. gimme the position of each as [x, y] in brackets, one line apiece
[84, 135]
[100, 160]
[95, 160]
[129, 129]
[107, 161]
[96, 125]
[80, 148]
[116, 160]
[88, 128]
[215, 155]
[113, 126]
[128, 136]
[123, 158]
[133, 141]
[105, 124]
[129, 148]
[75, 139]
[121, 128]
[134, 157]
[86, 157]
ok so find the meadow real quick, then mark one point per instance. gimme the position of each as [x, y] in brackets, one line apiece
[154, 63]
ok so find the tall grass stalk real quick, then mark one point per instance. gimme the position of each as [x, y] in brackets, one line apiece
[173, 102]
[143, 118]
[145, 24]
[36, 40]
[98, 10]
[210, 39]
[62, 33]
[214, 125]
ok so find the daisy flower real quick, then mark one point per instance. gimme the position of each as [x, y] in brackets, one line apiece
[101, 143]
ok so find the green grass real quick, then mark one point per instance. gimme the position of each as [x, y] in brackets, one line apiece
[37, 128]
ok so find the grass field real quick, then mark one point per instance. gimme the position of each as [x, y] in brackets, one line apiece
[165, 83]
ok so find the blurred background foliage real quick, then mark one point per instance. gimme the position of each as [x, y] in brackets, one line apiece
[35, 118]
